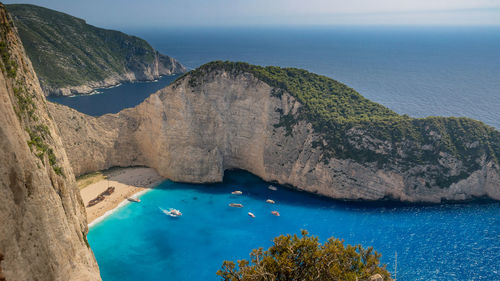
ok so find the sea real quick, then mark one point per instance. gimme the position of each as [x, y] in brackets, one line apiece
[419, 71]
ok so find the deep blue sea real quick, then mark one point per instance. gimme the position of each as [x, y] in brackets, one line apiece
[139, 242]
[420, 71]
[417, 71]
[114, 99]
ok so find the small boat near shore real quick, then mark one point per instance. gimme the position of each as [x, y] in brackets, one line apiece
[172, 212]
[132, 199]
[270, 201]
[276, 213]
[236, 205]
[237, 192]
[272, 187]
[251, 214]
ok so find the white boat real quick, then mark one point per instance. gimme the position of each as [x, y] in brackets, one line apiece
[272, 187]
[236, 205]
[237, 192]
[270, 201]
[276, 213]
[172, 212]
[132, 199]
[251, 214]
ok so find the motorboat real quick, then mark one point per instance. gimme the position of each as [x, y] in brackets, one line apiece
[237, 192]
[172, 212]
[270, 201]
[276, 213]
[236, 205]
[272, 187]
[251, 214]
[132, 199]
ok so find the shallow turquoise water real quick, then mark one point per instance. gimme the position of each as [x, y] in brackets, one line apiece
[139, 242]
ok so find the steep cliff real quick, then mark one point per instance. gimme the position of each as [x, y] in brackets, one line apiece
[43, 223]
[292, 127]
[71, 57]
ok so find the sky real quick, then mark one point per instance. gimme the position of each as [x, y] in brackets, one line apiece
[161, 13]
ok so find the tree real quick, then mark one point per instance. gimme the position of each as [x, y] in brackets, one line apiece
[305, 258]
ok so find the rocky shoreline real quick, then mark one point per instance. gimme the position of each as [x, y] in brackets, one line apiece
[116, 79]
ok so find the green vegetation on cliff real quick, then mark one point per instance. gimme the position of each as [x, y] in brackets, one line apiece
[25, 107]
[354, 127]
[65, 51]
[305, 258]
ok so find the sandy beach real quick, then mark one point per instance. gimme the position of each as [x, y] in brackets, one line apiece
[126, 181]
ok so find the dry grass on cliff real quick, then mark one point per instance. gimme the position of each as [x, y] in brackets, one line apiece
[88, 179]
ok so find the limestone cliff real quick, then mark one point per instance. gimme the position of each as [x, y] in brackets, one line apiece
[219, 119]
[73, 57]
[43, 223]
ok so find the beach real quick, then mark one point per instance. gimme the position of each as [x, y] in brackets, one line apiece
[127, 182]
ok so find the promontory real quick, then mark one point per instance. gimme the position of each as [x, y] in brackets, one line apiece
[72, 57]
[292, 127]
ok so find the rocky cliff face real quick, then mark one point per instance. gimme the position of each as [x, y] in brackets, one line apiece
[194, 132]
[43, 222]
[72, 57]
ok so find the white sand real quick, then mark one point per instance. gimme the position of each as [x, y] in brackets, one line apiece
[127, 182]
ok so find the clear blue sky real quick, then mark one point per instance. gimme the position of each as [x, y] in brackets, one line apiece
[148, 13]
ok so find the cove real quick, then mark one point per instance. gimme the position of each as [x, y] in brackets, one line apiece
[434, 242]
[114, 99]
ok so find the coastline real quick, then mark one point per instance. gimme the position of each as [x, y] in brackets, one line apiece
[128, 182]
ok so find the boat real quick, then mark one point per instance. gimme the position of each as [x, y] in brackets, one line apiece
[276, 213]
[132, 199]
[272, 187]
[237, 192]
[270, 201]
[172, 212]
[236, 205]
[251, 214]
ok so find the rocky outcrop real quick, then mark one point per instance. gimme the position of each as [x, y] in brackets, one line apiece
[193, 132]
[72, 57]
[43, 223]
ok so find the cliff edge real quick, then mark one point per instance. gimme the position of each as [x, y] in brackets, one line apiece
[43, 222]
[292, 127]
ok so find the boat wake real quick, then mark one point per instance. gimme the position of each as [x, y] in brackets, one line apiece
[171, 212]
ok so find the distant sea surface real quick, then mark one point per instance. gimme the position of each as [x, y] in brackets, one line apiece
[419, 71]
[447, 71]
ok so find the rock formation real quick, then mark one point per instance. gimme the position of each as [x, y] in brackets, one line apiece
[43, 222]
[72, 57]
[226, 119]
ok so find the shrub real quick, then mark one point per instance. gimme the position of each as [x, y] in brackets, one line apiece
[305, 258]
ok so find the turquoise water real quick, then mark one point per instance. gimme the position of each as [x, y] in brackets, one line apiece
[139, 242]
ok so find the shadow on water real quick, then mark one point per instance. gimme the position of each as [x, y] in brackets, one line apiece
[256, 188]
